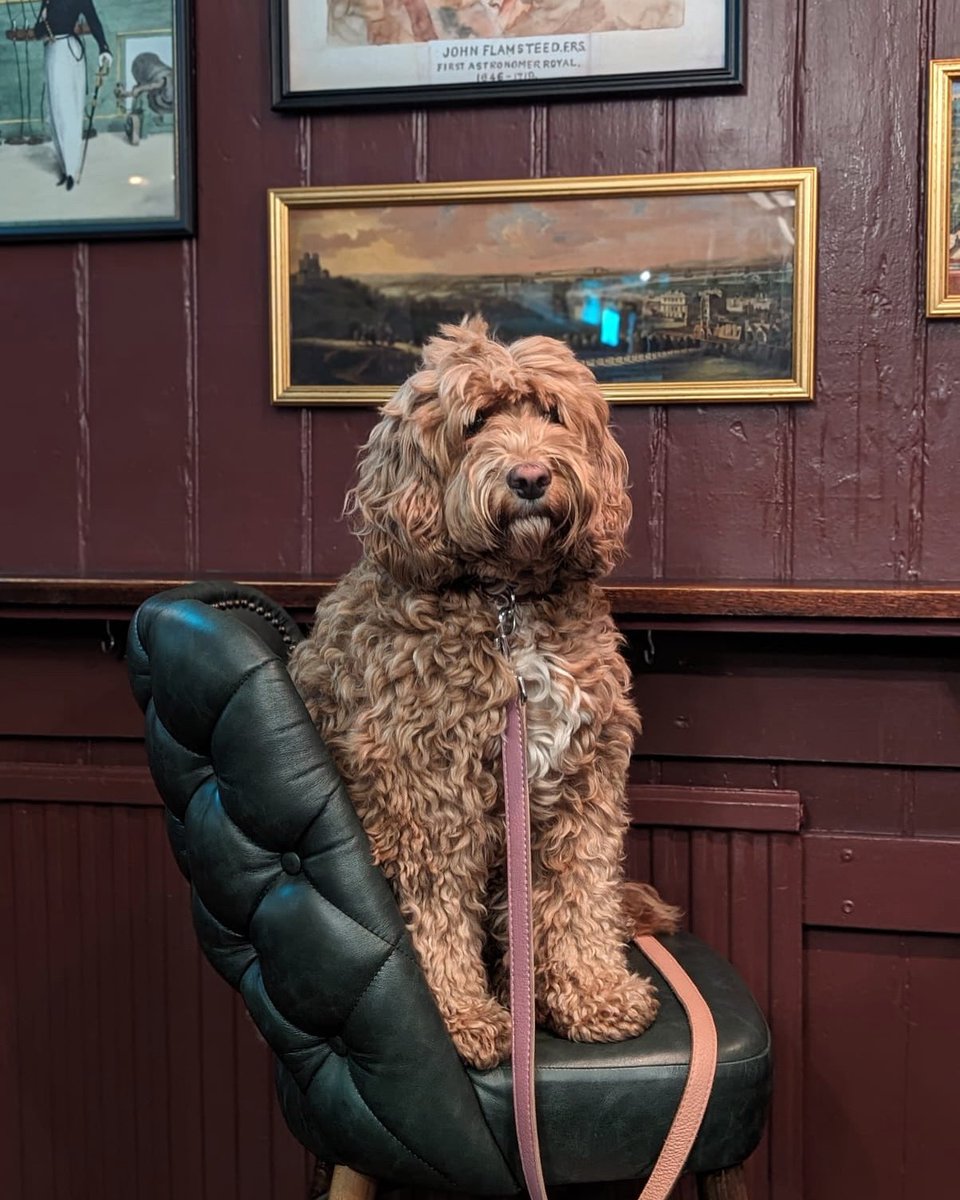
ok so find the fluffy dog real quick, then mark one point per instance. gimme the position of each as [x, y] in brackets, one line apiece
[492, 466]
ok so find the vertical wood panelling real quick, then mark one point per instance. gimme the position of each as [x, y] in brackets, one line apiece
[11, 1136]
[726, 465]
[334, 549]
[859, 452]
[40, 447]
[606, 137]
[139, 424]
[254, 1077]
[788, 1136]
[250, 488]
[481, 143]
[933, 1063]
[856, 1035]
[33, 1001]
[741, 893]
[187, 451]
[71, 1122]
[219, 1078]
[127, 1068]
[352, 148]
[940, 559]
[749, 896]
[149, 1049]
[184, 1048]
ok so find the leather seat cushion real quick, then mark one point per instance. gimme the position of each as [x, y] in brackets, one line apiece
[603, 1111]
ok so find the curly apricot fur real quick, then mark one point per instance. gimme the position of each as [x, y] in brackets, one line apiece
[403, 679]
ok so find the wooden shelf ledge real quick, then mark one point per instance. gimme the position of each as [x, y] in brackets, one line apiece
[764, 600]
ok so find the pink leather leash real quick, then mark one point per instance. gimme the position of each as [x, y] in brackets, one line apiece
[703, 1033]
[520, 932]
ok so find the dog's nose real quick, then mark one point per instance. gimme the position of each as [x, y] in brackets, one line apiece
[529, 480]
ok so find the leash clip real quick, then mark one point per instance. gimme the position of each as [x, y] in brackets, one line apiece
[507, 622]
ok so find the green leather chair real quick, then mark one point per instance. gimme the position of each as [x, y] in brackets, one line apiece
[291, 911]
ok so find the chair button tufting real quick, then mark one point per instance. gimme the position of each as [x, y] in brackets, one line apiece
[338, 1046]
[290, 863]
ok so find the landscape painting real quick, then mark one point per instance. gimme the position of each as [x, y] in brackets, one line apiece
[681, 288]
[943, 189]
[953, 276]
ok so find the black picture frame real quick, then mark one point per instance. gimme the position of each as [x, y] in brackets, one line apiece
[87, 226]
[285, 98]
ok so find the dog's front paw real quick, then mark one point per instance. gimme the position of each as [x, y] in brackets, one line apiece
[613, 1006]
[481, 1033]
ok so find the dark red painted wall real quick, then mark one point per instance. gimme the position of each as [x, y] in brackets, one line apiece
[137, 433]
[138, 439]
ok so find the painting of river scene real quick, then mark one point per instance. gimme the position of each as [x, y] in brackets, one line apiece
[664, 295]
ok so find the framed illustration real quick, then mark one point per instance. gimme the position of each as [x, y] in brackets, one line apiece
[672, 288]
[943, 189]
[96, 124]
[371, 53]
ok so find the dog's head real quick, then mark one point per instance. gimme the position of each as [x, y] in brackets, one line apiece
[494, 462]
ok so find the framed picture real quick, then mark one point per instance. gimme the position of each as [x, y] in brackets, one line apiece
[672, 288]
[943, 189]
[96, 128]
[444, 51]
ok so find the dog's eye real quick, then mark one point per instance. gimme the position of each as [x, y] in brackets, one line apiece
[475, 425]
[553, 416]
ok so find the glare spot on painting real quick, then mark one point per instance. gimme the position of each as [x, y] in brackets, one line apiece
[785, 228]
[590, 313]
[136, 180]
[610, 327]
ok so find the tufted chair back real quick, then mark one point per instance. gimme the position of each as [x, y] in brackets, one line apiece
[287, 903]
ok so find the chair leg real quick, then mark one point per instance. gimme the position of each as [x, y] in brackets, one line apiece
[350, 1185]
[723, 1185]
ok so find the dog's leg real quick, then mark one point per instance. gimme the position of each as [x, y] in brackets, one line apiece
[440, 888]
[585, 990]
[449, 945]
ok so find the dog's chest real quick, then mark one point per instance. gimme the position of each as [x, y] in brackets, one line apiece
[556, 706]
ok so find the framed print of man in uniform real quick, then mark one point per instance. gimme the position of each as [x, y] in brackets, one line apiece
[95, 118]
[64, 65]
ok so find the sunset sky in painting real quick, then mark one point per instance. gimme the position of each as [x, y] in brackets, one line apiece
[617, 234]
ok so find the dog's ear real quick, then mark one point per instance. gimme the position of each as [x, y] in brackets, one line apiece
[614, 509]
[397, 505]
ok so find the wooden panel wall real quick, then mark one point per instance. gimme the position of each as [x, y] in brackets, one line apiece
[138, 434]
[127, 1067]
[863, 729]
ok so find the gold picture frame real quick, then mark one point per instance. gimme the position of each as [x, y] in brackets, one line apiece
[943, 188]
[359, 276]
